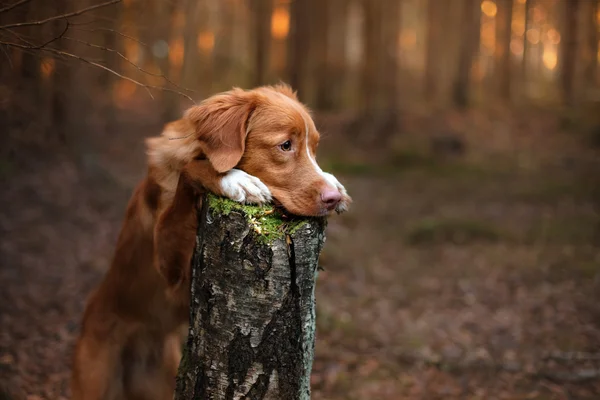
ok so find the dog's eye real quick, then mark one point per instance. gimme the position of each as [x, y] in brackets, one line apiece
[286, 146]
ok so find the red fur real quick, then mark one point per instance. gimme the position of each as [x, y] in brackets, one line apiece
[133, 325]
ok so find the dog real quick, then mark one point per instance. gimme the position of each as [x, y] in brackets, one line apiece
[252, 146]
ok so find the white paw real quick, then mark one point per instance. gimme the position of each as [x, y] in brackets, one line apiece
[344, 204]
[244, 188]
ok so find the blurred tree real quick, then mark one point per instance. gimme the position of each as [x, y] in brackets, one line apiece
[526, 46]
[435, 17]
[60, 80]
[502, 51]
[223, 50]
[162, 32]
[389, 74]
[337, 50]
[319, 25]
[30, 61]
[593, 38]
[372, 11]
[298, 42]
[469, 44]
[107, 80]
[263, 10]
[568, 50]
[191, 54]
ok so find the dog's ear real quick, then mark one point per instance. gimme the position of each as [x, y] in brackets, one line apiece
[221, 125]
[286, 90]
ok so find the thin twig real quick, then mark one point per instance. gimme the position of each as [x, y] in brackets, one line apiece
[94, 19]
[122, 56]
[7, 56]
[145, 86]
[57, 37]
[113, 31]
[13, 5]
[33, 46]
[57, 17]
[20, 37]
[65, 54]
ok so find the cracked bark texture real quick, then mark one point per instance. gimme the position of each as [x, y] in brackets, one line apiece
[252, 314]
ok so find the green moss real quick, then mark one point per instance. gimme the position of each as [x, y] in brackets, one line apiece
[268, 222]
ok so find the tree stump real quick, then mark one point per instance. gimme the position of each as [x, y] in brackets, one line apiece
[252, 313]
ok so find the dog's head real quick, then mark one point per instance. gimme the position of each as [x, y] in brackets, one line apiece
[269, 134]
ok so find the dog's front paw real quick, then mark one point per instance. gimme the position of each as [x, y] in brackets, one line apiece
[344, 203]
[244, 188]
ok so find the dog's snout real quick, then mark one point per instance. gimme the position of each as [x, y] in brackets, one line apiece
[330, 198]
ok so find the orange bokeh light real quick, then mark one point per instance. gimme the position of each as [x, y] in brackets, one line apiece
[553, 36]
[206, 41]
[489, 8]
[176, 52]
[533, 36]
[280, 23]
[408, 39]
[516, 47]
[123, 90]
[47, 67]
[550, 58]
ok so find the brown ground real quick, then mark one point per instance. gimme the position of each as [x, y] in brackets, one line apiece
[451, 277]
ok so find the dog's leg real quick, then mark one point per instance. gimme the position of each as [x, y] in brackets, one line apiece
[174, 238]
[175, 231]
[97, 371]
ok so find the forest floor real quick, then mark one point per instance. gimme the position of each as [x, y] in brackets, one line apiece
[457, 274]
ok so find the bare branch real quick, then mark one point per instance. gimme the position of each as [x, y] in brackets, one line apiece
[13, 5]
[115, 32]
[20, 37]
[62, 16]
[7, 56]
[140, 84]
[32, 46]
[97, 64]
[69, 55]
[123, 57]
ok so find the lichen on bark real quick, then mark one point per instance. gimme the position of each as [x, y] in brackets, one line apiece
[252, 316]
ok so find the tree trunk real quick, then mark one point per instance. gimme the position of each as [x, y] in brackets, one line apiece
[252, 317]
[164, 29]
[321, 54]
[192, 60]
[30, 64]
[298, 45]
[468, 47]
[503, 55]
[338, 56]
[591, 67]
[61, 79]
[389, 75]
[262, 10]
[525, 61]
[107, 80]
[434, 20]
[569, 51]
[371, 51]
[224, 51]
